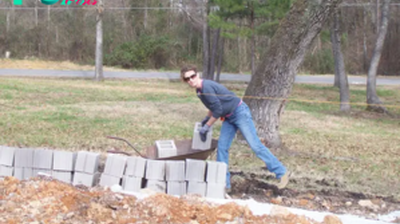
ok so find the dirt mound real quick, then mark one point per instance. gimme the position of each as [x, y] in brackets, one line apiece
[46, 200]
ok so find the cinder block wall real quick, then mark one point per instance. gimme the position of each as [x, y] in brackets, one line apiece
[132, 173]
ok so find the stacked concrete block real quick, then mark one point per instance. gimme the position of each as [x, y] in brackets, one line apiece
[176, 188]
[6, 161]
[23, 163]
[134, 173]
[175, 176]
[86, 168]
[196, 141]
[63, 165]
[216, 179]
[166, 148]
[155, 175]
[195, 176]
[216, 172]
[195, 170]
[131, 183]
[195, 187]
[113, 170]
[157, 185]
[42, 162]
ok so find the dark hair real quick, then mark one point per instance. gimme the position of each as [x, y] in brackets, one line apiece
[187, 68]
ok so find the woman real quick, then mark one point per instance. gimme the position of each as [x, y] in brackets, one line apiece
[225, 105]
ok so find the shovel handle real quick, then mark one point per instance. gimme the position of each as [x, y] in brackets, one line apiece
[127, 142]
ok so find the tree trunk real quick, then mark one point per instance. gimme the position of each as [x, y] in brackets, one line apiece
[214, 53]
[339, 64]
[220, 58]
[99, 43]
[252, 41]
[206, 44]
[365, 44]
[274, 77]
[373, 101]
[145, 15]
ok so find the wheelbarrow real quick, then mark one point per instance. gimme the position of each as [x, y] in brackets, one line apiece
[184, 150]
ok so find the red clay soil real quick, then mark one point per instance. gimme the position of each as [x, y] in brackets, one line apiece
[44, 200]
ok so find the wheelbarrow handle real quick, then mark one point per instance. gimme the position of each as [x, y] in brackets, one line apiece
[124, 140]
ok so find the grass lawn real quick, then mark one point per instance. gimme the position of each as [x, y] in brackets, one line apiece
[356, 151]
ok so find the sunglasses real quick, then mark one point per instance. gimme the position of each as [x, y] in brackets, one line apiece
[189, 78]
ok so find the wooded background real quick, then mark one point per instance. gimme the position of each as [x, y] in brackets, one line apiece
[155, 34]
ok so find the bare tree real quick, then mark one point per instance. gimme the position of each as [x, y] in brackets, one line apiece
[99, 42]
[274, 77]
[373, 101]
[339, 63]
[206, 43]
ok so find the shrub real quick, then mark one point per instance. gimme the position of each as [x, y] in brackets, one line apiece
[147, 51]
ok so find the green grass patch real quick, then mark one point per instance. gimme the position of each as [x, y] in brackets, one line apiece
[358, 148]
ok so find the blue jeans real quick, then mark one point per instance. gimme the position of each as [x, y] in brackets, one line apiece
[241, 119]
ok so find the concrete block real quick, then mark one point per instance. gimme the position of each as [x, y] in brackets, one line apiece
[23, 157]
[195, 187]
[63, 160]
[87, 162]
[156, 185]
[175, 170]
[216, 172]
[216, 190]
[135, 166]
[86, 179]
[36, 172]
[176, 188]
[7, 156]
[196, 141]
[23, 173]
[64, 176]
[155, 169]
[115, 165]
[195, 170]
[42, 159]
[6, 171]
[130, 183]
[109, 180]
[166, 148]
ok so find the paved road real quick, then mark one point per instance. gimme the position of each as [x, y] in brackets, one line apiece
[328, 79]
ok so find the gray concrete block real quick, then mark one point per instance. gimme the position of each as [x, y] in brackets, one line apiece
[36, 172]
[157, 185]
[63, 160]
[130, 183]
[195, 187]
[7, 156]
[87, 162]
[216, 172]
[109, 180]
[43, 159]
[115, 165]
[23, 157]
[135, 166]
[175, 170]
[23, 173]
[64, 176]
[195, 170]
[196, 141]
[86, 179]
[6, 171]
[176, 188]
[166, 148]
[155, 169]
[216, 190]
